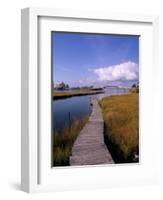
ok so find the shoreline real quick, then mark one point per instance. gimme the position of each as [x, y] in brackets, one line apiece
[64, 95]
[117, 147]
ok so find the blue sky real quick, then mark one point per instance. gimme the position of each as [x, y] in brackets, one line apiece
[86, 59]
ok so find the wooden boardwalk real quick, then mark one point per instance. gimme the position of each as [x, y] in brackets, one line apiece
[89, 147]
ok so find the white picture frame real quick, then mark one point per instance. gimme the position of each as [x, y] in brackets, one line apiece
[36, 172]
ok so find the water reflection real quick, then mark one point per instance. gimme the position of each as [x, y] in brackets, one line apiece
[65, 111]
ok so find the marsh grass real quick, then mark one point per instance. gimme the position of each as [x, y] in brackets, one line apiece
[121, 117]
[63, 142]
[62, 95]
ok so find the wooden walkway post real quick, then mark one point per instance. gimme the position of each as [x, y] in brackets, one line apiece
[69, 121]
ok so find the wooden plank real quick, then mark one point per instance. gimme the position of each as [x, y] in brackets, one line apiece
[89, 147]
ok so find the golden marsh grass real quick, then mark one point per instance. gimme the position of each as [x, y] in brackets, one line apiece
[121, 117]
[63, 142]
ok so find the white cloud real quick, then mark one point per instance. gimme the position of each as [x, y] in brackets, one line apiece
[124, 72]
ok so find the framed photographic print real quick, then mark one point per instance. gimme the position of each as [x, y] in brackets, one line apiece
[86, 96]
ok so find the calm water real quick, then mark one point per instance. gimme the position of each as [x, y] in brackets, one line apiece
[69, 109]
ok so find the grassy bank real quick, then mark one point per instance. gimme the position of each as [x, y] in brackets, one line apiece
[62, 95]
[63, 142]
[121, 116]
[86, 88]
